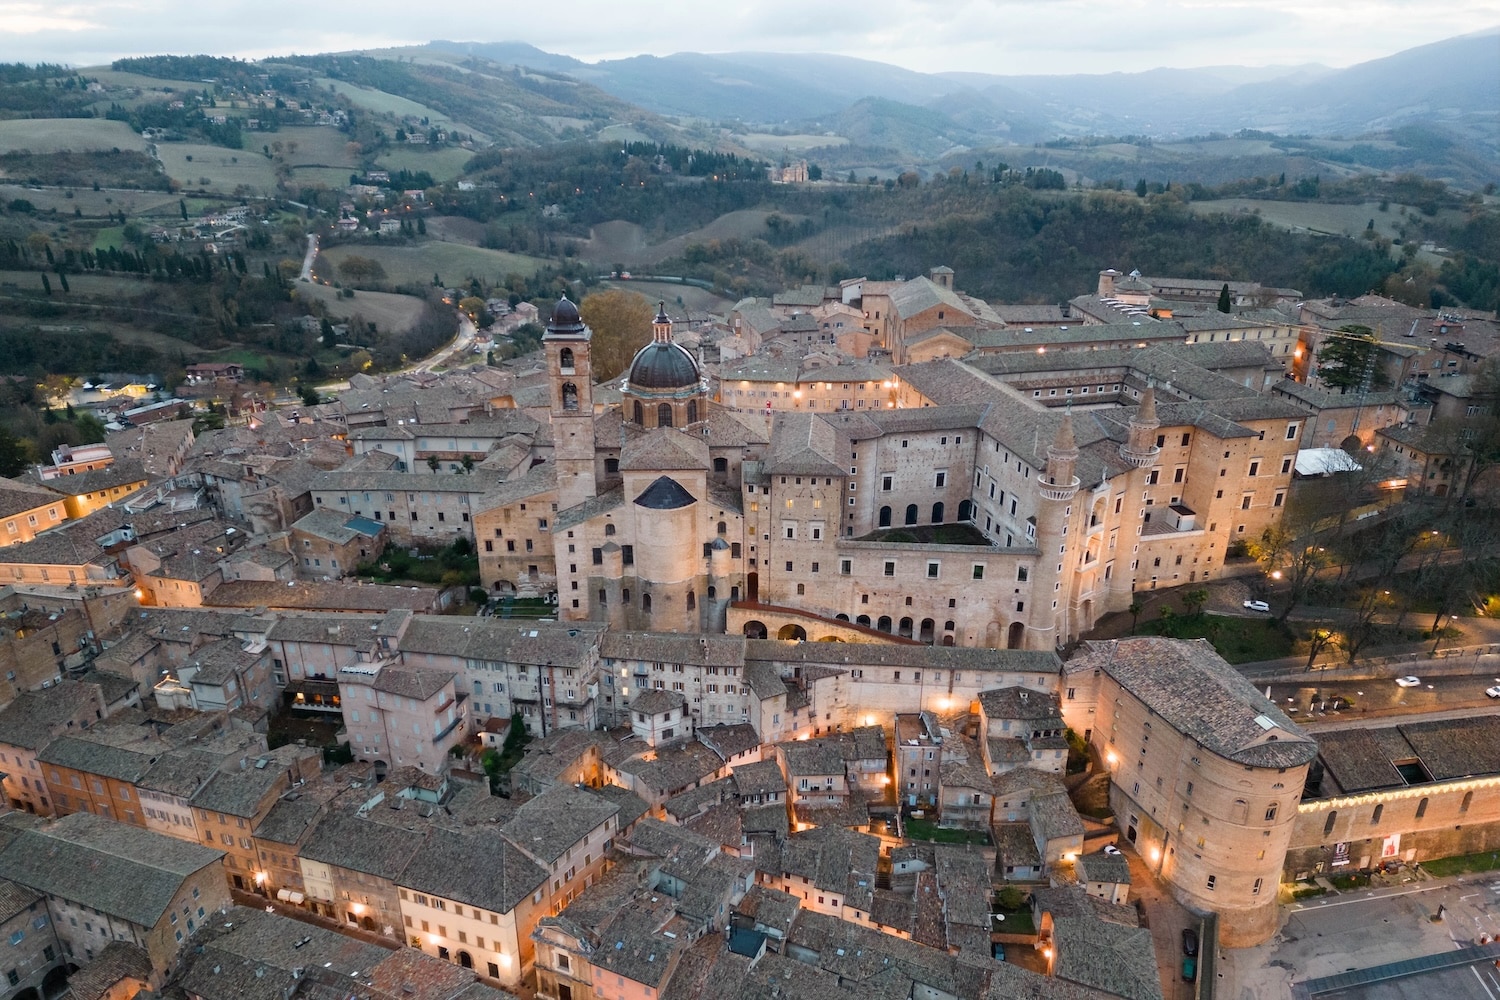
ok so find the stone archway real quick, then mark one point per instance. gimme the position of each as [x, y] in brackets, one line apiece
[755, 630]
[466, 960]
[792, 631]
[1016, 636]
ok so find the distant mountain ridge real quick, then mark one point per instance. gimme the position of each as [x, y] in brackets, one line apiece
[1454, 82]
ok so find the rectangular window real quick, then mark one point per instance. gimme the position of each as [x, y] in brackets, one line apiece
[890, 567]
[846, 566]
[1254, 468]
[932, 570]
[940, 480]
[627, 555]
[1212, 881]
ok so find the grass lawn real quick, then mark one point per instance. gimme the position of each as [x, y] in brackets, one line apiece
[1443, 867]
[1353, 880]
[443, 162]
[91, 203]
[1015, 922]
[390, 312]
[1238, 640]
[930, 534]
[922, 829]
[78, 135]
[215, 168]
[453, 262]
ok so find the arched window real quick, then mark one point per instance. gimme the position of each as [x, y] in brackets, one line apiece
[565, 360]
[1463, 806]
[948, 626]
[937, 512]
[569, 396]
[664, 415]
[904, 628]
[885, 517]
[646, 603]
[611, 466]
[692, 409]
[965, 510]
[721, 466]
[1422, 808]
[1376, 813]
[884, 624]
[640, 419]
[1240, 811]
[609, 528]
[692, 601]
[801, 590]
[911, 513]
[1333, 817]
[863, 620]
[713, 592]
[723, 528]
[734, 593]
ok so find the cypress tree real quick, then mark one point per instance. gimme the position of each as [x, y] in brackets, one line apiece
[1224, 302]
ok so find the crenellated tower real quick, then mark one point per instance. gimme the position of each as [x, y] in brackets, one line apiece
[1140, 452]
[1056, 491]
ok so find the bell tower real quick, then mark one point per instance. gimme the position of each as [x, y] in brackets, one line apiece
[570, 380]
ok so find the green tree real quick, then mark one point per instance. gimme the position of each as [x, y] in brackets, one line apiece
[1225, 303]
[326, 328]
[1193, 601]
[1135, 609]
[309, 395]
[46, 284]
[1140, 188]
[1350, 359]
[433, 463]
[15, 456]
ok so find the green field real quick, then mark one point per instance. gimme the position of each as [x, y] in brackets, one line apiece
[92, 203]
[444, 162]
[114, 78]
[101, 286]
[383, 103]
[770, 145]
[453, 262]
[621, 133]
[1311, 216]
[335, 178]
[308, 146]
[391, 313]
[226, 169]
[78, 135]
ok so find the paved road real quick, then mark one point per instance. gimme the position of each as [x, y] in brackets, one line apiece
[1313, 700]
[309, 257]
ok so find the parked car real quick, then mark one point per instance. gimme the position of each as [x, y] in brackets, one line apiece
[1260, 606]
[1189, 969]
[1493, 692]
[1189, 942]
[1408, 681]
[1111, 849]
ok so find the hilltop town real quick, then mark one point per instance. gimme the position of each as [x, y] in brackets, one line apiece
[778, 665]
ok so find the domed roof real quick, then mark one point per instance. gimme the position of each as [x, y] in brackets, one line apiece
[565, 318]
[663, 365]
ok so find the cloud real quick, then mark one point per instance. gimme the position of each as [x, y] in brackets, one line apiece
[994, 36]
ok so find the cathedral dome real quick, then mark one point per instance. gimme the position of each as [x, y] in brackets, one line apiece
[663, 366]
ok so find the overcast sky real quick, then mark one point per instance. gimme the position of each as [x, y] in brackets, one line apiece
[993, 36]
